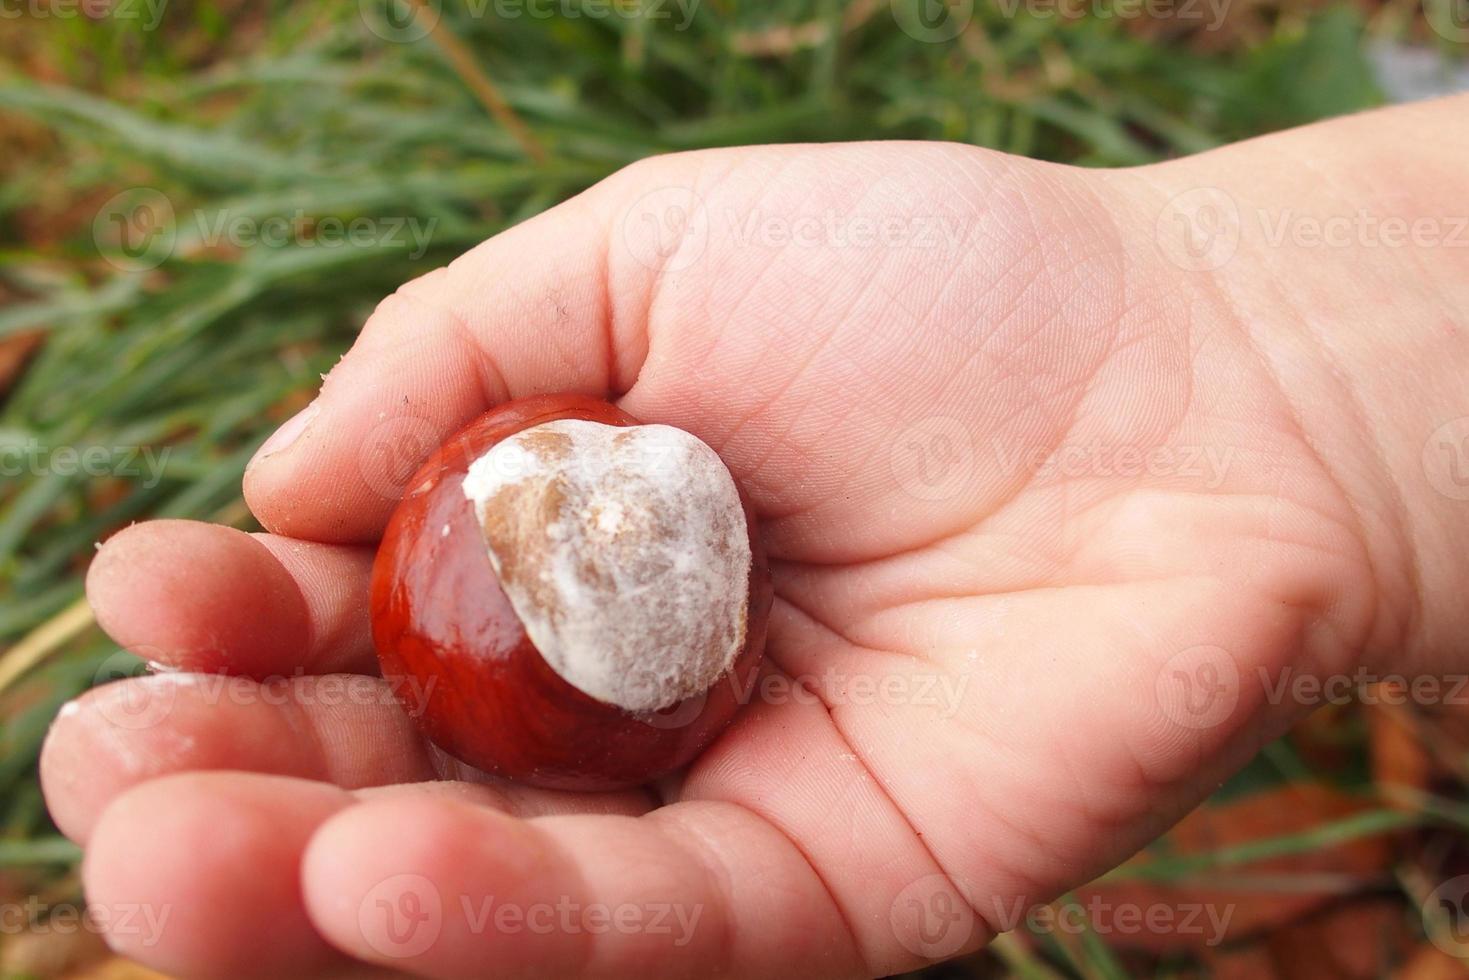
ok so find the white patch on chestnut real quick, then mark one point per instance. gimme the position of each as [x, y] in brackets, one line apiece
[625, 553]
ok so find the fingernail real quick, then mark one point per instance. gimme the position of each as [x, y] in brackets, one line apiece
[288, 433]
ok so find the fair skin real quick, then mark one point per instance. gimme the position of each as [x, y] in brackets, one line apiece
[888, 407]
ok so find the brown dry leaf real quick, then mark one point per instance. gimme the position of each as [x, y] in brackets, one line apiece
[1398, 757]
[1359, 940]
[1444, 729]
[1322, 741]
[1232, 903]
[1251, 962]
[786, 39]
[15, 351]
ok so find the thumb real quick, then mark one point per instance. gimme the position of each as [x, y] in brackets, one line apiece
[528, 311]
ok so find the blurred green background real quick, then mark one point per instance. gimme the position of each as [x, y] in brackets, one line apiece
[143, 356]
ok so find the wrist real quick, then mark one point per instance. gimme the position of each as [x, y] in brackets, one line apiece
[1341, 252]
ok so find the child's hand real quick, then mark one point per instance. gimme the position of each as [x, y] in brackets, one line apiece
[1045, 505]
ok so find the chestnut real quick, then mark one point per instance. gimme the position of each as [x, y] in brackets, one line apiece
[570, 598]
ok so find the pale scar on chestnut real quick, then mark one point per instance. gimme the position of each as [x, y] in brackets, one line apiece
[625, 553]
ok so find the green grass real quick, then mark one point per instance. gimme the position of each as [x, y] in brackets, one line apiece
[260, 110]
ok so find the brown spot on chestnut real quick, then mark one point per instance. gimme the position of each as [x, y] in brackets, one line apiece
[590, 540]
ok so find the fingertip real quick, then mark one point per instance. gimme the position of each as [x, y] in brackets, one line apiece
[144, 588]
[436, 353]
[345, 729]
[66, 791]
[193, 872]
[119, 735]
[284, 437]
[412, 379]
[101, 744]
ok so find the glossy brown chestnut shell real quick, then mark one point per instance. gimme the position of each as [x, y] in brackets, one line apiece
[459, 659]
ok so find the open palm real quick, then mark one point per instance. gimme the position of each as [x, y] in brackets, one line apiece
[1038, 518]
